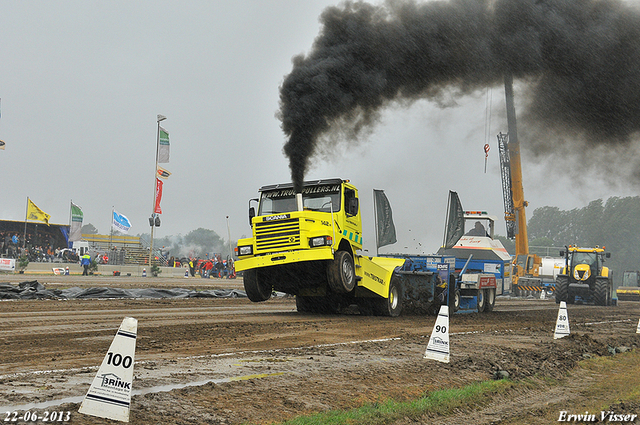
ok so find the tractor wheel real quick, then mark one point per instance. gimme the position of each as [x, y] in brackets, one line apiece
[482, 301]
[490, 295]
[601, 291]
[341, 273]
[256, 290]
[392, 305]
[562, 289]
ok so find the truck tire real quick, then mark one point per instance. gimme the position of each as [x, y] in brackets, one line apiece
[341, 273]
[392, 305]
[256, 291]
[490, 296]
[601, 291]
[482, 301]
[562, 289]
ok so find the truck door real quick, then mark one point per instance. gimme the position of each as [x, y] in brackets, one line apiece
[352, 226]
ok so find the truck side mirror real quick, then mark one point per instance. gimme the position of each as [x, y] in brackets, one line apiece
[608, 255]
[252, 213]
[562, 253]
[353, 206]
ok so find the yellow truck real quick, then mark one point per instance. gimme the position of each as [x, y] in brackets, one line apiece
[306, 244]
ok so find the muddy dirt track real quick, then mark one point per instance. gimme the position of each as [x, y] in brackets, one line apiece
[229, 361]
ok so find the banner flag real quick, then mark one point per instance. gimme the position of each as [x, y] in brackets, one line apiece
[120, 222]
[386, 229]
[162, 173]
[163, 146]
[455, 221]
[36, 214]
[157, 208]
[75, 229]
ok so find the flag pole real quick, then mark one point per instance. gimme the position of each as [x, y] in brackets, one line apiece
[155, 172]
[375, 219]
[26, 214]
[113, 208]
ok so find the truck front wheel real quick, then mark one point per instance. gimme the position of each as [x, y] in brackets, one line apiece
[256, 290]
[341, 273]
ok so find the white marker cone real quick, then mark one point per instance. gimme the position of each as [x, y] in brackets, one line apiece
[562, 323]
[110, 393]
[186, 273]
[438, 346]
[638, 328]
[543, 294]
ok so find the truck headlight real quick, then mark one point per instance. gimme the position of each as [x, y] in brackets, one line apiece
[320, 241]
[245, 250]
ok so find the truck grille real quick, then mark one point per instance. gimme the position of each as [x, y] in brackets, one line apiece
[276, 235]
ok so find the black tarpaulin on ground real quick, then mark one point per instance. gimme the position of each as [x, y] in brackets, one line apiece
[34, 290]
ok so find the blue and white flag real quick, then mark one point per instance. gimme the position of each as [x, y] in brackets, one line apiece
[120, 223]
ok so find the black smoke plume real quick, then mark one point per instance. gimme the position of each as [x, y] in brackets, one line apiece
[578, 60]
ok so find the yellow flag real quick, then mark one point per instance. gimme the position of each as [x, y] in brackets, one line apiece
[35, 213]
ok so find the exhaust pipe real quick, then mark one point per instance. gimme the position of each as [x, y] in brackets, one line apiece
[299, 201]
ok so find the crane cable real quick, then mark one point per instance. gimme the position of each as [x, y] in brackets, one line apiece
[487, 126]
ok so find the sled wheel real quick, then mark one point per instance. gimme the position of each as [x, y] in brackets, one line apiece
[490, 295]
[481, 301]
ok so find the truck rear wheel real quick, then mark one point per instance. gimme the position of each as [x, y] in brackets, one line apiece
[562, 289]
[392, 305]
[601, 291]
[482, 301]
[256, 290]
[341, 273]
[490, 295]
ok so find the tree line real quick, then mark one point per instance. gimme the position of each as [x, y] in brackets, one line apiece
[614, 224]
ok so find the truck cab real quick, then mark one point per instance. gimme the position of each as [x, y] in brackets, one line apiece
[305, 244]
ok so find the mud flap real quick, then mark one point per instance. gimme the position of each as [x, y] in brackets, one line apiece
[374, 273]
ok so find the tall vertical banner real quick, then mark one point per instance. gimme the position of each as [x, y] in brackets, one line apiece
[36, 214]
[120, 222]
[75, 227]
[455, 221]
[157, 208]
[163, 146]
[386, 230]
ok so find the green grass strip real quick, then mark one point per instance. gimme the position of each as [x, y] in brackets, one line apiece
[437, 402]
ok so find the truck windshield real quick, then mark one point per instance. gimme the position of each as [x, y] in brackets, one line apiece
[323, 198]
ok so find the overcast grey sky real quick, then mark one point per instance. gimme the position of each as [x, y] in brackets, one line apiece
[82, 82]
